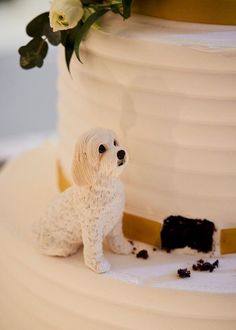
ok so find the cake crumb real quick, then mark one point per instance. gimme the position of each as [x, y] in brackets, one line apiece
[131, 242]
[142, 254]
[205, 266]
[154, 249]
[184, 273]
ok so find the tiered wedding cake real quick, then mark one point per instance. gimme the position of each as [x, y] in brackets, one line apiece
[168, 89]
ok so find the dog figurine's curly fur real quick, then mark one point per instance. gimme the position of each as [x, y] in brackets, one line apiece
[92, 208]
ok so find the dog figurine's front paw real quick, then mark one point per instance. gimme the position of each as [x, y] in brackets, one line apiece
[120, 246]
[101, 266]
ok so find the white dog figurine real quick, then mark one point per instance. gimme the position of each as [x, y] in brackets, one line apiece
[91, 209]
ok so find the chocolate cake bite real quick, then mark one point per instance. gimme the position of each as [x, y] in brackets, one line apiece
[142, 254]
[184, 273]
[180, 232]
[205, 266]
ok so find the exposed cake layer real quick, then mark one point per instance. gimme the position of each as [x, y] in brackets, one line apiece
[168, 89]
[180, 232]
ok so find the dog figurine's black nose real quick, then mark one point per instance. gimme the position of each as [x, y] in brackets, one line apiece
[121, 154]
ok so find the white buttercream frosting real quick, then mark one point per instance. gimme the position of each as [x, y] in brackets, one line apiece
[41, 292]
[168, 89]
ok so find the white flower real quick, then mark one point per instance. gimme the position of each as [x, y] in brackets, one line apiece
[65, 14]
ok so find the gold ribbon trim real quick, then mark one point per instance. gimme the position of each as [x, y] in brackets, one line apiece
[148, 231]
[194, 11]
[228, 240]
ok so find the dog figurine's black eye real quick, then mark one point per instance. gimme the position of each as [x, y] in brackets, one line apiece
[101, 149]
[115, 143]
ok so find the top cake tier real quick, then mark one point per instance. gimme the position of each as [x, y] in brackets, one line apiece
[168, 89]
[195, 11]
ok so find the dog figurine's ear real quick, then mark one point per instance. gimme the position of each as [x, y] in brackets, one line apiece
[83, 172]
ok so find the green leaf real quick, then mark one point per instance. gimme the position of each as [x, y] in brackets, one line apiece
[53, 37]
[85, 27]
[68, 56]
[64, 35]
[126, 8]
[40, 26]
[33, 54]
[35, 28]
[68, 41]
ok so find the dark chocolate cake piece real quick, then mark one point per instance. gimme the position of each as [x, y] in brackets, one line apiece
[205, 266]
[184, 273]
[142, 254]
[179, 232]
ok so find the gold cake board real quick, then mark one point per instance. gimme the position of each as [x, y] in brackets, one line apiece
[221, 12]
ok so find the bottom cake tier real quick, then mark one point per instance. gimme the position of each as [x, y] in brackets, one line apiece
[39, 292]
